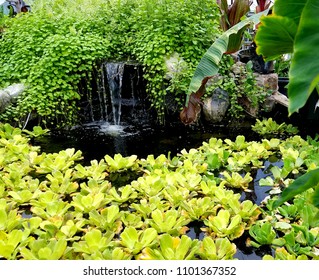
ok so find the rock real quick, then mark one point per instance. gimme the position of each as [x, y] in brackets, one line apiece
[8, 94]
[280, 98]
[267, 81]
[238, 68]
[175, 65]
[215, 107]
[269, 103]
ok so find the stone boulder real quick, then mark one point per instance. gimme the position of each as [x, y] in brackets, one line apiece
[215, 106]
[8, 94]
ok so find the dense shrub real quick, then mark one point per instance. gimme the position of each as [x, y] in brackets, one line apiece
[58, 44]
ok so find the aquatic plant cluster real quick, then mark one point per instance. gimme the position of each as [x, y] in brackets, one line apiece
[267, 128]
[53, 207]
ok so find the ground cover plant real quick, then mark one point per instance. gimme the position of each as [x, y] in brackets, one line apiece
[53, 207]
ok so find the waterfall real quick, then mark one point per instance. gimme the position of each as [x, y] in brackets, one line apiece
[114, 74]
[115, 100]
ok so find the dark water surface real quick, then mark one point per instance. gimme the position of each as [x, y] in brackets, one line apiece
[96, 139]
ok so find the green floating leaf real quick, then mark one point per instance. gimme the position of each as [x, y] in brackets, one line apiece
[172, 248]
[107, 218]
[9, 243]
[282, 254]
[170, 221]
[116, 254]
[135, 240]
[225, 225]
[94, 241]
[120, 163]
[218, 249]
[264, 234]
[44, 250]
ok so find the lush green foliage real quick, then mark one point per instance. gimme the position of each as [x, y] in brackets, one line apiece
[59, 43]
[185, 28]
[291, 29]
[239, 80]
[50, 53]
[53, 207]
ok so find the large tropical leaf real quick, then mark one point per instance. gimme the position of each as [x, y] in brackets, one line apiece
[208, 66]
[293, 29]
[277, 32]
[289, 8]
[303, 183]
[275, 36]
[304, 70]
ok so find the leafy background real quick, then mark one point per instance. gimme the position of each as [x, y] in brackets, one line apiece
[60, 42]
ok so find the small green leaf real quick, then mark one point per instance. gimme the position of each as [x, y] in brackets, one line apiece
[129, 237]
[148, 236]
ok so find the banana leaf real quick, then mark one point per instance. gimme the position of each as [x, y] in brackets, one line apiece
[231, 15]
[235, 41]
[208, 66]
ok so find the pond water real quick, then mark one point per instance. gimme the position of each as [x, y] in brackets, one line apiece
[96, 139]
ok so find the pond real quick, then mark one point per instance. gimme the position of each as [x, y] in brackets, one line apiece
[128, 130]
[96, 139]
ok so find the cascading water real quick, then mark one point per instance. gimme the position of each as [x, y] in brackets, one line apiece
[114, 74]
[114, 106]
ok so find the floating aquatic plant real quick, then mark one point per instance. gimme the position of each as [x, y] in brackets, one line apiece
[91, 212]
[269, 128]
[172, 248]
